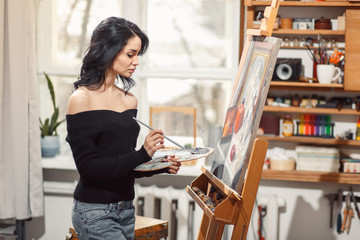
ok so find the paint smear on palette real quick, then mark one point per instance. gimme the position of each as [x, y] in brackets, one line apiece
[185, 154]
[158, 161]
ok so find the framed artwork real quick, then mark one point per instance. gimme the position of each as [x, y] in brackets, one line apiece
[248, 96]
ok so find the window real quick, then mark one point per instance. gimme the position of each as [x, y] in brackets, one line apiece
[199, 33]
[191, 60]
[65, 29]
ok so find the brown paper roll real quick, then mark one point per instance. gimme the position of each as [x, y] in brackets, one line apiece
[286, 23]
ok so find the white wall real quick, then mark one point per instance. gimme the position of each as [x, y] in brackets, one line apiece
[306, 214]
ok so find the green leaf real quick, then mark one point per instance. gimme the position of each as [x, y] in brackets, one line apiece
[51, 90]
[46, 127]
[49, 126]
[53, 122]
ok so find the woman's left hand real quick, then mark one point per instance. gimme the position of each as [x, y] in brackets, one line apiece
[175, 166]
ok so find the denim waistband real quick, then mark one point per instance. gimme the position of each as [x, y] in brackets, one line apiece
[111, 206]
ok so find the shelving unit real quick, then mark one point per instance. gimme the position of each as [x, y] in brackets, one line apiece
[313, 140]
[311, 110]
[308, 32]
[351, 82]
[305, 3]
[297, 85]
[310, 176]
[350, 35]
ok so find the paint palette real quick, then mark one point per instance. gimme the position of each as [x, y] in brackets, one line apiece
[184, 155]
[159, 159]
[156, 163]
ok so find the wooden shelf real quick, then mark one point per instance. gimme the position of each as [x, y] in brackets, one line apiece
[308, 32]
[311, 110]
[312, 140]
[305, 84]
[311, 47]
[310, 176]
[304, 3]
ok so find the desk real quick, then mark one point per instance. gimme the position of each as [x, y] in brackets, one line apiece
[150, 228]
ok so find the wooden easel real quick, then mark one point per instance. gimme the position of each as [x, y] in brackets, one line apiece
[233, 209]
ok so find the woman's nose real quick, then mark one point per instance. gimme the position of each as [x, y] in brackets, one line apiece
[135, 61]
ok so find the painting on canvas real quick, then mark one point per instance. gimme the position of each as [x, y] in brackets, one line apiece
[244, 111]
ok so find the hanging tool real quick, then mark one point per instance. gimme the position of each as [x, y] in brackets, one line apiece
[262, 214]
[353, 198]
[336, 57]
[338, 219]
[331, 198]
[348, 215]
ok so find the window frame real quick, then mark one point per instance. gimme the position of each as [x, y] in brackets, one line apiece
[136, 11]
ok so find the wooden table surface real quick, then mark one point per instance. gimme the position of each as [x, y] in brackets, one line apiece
[150, 228]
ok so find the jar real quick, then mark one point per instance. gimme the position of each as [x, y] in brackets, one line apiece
[295, 101]
[323, 24]
[287, 126]
[286, 23]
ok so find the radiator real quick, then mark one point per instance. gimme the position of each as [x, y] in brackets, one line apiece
[172, 205]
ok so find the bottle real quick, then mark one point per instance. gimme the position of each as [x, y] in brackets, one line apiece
[328, 125]
[307, 124]
[312, 125]
[317, 125]
[358, 130]
[301, 125]
[288, 126]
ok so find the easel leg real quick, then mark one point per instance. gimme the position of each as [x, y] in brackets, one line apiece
[210, 229]
[203, 227]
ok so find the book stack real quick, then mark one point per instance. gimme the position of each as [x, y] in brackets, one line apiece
[321, 159]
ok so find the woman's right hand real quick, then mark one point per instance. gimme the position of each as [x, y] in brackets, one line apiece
[154, 141]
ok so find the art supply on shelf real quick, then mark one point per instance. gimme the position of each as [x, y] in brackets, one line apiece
[358, 130]
[287, 126]
[286, 23]
[315, 126]
[351, 165]
[301, 126]
[322, 159]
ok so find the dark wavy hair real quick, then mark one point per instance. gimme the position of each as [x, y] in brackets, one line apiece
[107, 40]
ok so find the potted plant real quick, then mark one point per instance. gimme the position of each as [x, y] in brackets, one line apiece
[49, 137]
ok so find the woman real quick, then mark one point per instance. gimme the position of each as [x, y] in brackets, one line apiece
[102, 133]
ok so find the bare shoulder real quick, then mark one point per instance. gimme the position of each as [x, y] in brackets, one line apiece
[128, 99]
[132, 100]
[79, 101]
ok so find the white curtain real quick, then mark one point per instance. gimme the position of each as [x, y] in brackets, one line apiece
[21, 189]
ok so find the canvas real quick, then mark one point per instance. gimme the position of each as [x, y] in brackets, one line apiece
[244, 111]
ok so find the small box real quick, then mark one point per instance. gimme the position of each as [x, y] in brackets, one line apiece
[303, 23]
[351, 165]
[341, 23]
[283, 165]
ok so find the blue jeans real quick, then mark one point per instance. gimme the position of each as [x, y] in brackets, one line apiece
[104, 221]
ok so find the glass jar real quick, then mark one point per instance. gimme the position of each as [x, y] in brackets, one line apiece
[287, 126]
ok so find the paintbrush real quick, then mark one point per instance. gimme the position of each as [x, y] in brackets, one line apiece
[312, 53]
[177, 144]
